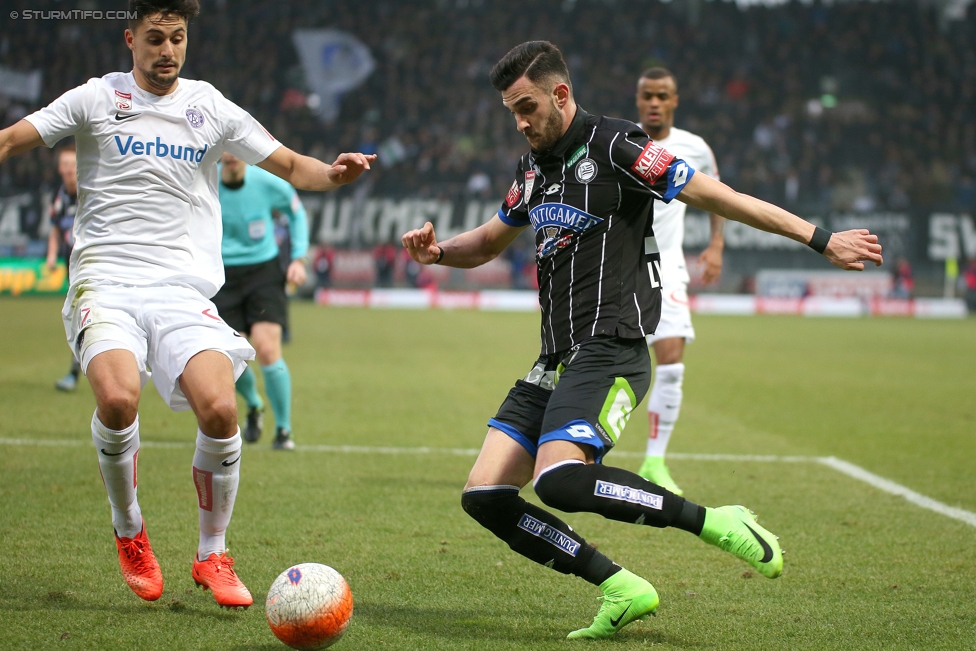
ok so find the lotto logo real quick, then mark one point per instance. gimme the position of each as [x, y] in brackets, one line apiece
[680, 175]
[580, 432]
[652, 162]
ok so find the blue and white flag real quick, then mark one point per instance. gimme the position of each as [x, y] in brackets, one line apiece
[335, 62]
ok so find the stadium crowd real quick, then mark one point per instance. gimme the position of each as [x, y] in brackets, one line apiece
[850, 106]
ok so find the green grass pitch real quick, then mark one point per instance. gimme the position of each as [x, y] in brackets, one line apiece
[864, 569]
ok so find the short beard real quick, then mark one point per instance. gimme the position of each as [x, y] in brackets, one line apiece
[158, 81]
[552, 130]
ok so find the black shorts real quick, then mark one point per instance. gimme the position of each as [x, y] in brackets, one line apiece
[584, 395]
[253, 293]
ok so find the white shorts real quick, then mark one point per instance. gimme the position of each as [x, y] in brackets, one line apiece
[163, 326]
[675, 315]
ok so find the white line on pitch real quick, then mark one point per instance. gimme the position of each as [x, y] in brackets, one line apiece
[845, 467]
[57, 443]
[467, 452]
[687, 456]
[888, 486]
[364, 449]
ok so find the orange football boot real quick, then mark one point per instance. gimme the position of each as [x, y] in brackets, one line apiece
[217, 574]
[139, 566]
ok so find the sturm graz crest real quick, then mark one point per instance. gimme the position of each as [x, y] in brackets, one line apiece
[586, 170]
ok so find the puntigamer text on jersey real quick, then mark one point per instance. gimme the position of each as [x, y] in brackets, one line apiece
[558, 214]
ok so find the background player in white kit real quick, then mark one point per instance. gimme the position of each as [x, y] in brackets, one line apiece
[657, 98]
[145, 262]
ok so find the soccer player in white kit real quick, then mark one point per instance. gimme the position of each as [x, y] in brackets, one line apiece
[657, 98]
[145, 263]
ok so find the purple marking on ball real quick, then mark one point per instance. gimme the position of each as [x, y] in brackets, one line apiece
[294, 575]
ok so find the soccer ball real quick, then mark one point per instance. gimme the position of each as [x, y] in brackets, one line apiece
[309, 606]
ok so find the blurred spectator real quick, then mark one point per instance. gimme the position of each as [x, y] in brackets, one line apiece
[969, 282]
[416, 274]
[904, 283]
[966, 191]
[322, 266]
[952, 278]
[385, 256]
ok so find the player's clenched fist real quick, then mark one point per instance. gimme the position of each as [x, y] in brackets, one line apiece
[851, 249]
[421, 244]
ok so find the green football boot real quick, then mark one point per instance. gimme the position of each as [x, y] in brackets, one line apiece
[734, 529]
[654, 471]
[626, 598]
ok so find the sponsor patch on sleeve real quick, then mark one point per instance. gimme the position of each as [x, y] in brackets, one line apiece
[652, 162]
[678, 176]
[514, 194]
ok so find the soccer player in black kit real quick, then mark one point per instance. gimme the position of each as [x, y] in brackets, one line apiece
[61, 238]
[586, 187]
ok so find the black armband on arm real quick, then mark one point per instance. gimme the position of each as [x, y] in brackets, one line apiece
[440, 256]
[819, 240]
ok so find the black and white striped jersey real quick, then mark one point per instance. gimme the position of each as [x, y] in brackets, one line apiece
[590, 200]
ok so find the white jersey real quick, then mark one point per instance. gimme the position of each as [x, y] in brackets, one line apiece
[669, 218]
[148, 212]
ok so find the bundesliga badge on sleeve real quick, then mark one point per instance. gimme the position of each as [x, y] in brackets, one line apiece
[529, 182]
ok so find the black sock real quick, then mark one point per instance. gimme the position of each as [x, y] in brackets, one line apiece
[691, 518]
[535, 533]
[617, 494]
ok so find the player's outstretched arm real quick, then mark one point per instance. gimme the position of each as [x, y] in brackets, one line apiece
[847, 250]
[307, 173]
[467, 250]
[18, 138]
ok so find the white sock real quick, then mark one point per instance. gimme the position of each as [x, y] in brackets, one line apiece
[118, 452]
[663, 407]
[216, 473]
